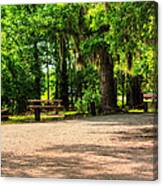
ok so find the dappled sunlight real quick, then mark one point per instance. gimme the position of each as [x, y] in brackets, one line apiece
[78, 150]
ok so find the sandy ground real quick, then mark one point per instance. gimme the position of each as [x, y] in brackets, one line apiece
[120, 146]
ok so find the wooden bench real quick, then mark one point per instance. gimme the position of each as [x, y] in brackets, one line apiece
[39, 105]
[149, 96]
[4, 114]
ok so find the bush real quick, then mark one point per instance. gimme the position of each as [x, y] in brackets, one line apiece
[89, 96]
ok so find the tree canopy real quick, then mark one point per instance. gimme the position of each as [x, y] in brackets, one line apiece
[77, 52]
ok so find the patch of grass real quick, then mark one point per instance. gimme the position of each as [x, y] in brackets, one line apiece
[70, 113]
[19, 119]
[136, 110]
[150, 110]
[22, 117]
[45, 117]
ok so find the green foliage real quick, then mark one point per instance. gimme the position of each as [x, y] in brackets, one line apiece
[31, 38]
[89, 96]
[90, 90]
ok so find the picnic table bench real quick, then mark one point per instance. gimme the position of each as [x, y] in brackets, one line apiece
[149, 96]
[39, 105]
[4, 114]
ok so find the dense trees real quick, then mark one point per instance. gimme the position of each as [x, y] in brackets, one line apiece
[82, 53]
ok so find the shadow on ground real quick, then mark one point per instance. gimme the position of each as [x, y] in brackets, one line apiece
[131, 155]
[76, 166]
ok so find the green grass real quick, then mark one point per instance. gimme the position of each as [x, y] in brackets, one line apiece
[70, 113]
[136, 110]
[151, 110]
[20, 119]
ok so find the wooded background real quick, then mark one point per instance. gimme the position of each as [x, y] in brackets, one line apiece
[83, 53]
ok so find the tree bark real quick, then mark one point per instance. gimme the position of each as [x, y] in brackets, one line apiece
[129, 91]
[37, 82]
[64, 74]
[108, 99]
[56, 87]
[48, 86]
[37, 72]
[123, 90]
[135, 95]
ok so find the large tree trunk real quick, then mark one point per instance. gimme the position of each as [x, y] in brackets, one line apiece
[134, 94]
[64, 74]
[108, 100]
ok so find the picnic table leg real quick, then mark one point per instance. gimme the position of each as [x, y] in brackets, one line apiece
[37, 114]
[145, 106]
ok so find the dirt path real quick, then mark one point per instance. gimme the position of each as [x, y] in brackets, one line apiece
[105, 147]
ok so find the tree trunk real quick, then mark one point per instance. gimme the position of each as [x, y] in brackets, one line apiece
[135, 95]
[129, 91]
[48, 87]
[123, 88]
[57, 82]
[37, 82]
[64, 75]
[37, 70]
[129, 99]
[71, 82]
[56, 88]
[108, 100]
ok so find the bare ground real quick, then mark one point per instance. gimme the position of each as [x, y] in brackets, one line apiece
[121, 146]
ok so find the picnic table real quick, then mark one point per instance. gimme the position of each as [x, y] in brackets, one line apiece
[39, 105]
[149, 97]
[4, 114]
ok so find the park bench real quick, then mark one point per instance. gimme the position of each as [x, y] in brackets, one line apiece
[4, 114]
[40, 105]
[149, 97]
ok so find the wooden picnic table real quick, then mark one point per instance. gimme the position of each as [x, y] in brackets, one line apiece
[149, 96]
[4, 114]
[45, 101]
[39, 105]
